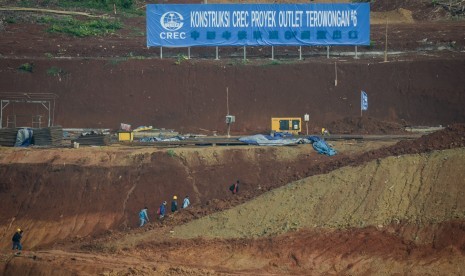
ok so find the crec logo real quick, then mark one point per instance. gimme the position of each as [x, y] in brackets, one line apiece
[172, 21]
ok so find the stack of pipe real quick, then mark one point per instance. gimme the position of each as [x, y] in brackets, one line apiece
[8, 137]
[93, 140]
[50, 136]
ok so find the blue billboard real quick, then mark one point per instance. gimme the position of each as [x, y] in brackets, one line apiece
[179, 25]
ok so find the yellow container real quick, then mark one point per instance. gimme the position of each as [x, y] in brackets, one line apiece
[125, 136]
[286, 124]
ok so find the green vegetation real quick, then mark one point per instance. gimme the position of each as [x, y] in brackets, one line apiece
[26, 67]
[10, 20]
[171, 153]
[55, 71]
[372, 44]
[273, 62]
[121, 6]
[180, 58]
[48, 55]
[131, 55]
[71, 26]
[116, 61]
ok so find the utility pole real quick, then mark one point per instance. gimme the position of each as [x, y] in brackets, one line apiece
[227, 108]
[335, 70]
[227, 100]
[386, 42]
[306, 119]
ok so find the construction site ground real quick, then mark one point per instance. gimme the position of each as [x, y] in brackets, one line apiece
[389, 203]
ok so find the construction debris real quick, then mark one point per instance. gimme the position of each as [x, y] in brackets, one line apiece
[454, 7]
[50, 136]
[92, 139]
[8, 137]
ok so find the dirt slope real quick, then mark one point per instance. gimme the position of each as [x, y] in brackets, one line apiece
[191, 96]
[56, 194]
[59, 194]
[104, 81]
[420, 242]
[416, 247]
[374, 209]
[418, 189]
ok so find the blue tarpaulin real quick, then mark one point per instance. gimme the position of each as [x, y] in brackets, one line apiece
[267, 140]
[321, 146]
[158, 139]
[24, 137]
[318, 143]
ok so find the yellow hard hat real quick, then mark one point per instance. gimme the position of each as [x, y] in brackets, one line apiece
[323, 129]
[175, 197]
[18, 230]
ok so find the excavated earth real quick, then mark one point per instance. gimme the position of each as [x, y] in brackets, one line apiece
[380, 207]
[388, 206]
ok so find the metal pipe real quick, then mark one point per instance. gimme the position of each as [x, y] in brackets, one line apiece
[1, 115]
[53, 114]
[49, 119]
[1, 112]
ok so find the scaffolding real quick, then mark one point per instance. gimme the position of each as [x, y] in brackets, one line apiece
[45, 100]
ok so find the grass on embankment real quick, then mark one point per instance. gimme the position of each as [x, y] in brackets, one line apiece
[81, 28]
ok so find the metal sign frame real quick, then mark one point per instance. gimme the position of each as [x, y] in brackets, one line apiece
[46, 100]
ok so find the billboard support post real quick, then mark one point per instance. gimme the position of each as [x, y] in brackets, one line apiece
[272, 52]
[327, 51]
[189, 52]
[161, 52]
[216, 56]
[300, 52]
[245, 56]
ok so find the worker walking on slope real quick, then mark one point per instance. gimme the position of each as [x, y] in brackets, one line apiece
[324, 132]
[174, 204]
[234, 188]
[17, 239]
[162, 210]
[143, 217]
[186, 202]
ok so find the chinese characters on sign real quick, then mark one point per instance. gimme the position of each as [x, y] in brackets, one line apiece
[258, 24]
